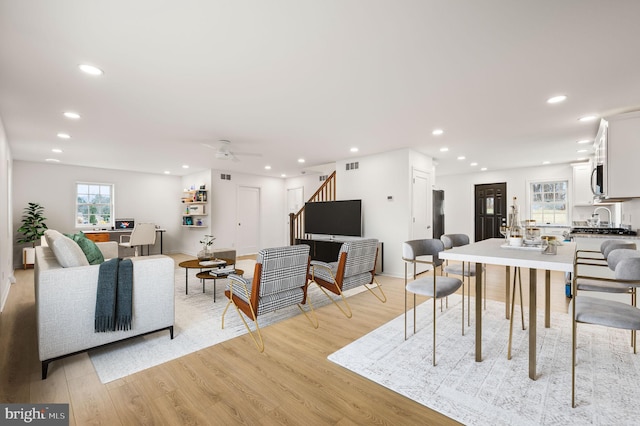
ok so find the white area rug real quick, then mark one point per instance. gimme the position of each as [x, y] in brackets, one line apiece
[497, 391]
[197, 326]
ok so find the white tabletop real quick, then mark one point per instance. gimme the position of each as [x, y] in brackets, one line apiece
[490, 252]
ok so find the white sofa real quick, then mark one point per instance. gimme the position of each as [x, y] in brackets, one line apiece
[66, 302]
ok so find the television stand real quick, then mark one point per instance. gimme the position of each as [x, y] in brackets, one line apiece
[327, 249]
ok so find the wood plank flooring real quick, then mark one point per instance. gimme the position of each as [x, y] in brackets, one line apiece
[291, 383]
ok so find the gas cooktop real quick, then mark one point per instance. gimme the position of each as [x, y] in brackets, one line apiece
[603, 231]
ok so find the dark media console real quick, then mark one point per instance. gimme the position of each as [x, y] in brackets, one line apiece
[327, 251]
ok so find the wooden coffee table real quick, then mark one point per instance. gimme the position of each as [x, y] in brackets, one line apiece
[205, 275]
[195, 264]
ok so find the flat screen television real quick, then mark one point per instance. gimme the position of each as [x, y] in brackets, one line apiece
[334, 218]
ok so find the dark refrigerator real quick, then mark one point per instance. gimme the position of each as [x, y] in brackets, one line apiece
[438, 213]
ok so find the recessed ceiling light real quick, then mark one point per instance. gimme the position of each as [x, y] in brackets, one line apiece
[581, 159]
[167, 172]
[185, 166]
[56, 150]
[283, 175]
[437, 132]
[462, 157]
[300, 160]
[64, 136]
[484, 169]
[582, 150]
[52, 160]
[583, 141]
[588, 118]
[546, 162]
[267, 167]
[73, 115]
[473, 164]
[556, 99]
[444, 149]
[90, 69]
[354, 149]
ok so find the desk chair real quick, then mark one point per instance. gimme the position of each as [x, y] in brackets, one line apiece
[143, 234]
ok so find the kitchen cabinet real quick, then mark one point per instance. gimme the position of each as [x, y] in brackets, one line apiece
[622, 141]
[581, 193]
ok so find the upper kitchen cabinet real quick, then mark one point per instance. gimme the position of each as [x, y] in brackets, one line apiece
[582, 194]
[617, 169]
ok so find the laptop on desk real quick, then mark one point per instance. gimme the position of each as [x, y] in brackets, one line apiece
[124, 224]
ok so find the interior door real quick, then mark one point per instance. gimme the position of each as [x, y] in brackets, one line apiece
[421, 213]
[490, 209]
[248, 229]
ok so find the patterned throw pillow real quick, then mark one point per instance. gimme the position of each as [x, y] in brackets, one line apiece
[89, 248]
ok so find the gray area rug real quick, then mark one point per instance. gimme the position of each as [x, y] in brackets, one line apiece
[497, 391]
[197, 326]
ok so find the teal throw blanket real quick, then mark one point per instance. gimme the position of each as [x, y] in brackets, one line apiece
[114, 296]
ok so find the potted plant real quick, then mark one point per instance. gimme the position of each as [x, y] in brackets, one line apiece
[207, 250]
[32, 229]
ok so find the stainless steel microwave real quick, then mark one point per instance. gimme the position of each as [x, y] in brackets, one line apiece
[599, 173]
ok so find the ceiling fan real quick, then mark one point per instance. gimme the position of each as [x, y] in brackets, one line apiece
[223, 152]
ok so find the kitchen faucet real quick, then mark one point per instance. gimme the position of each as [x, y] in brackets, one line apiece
[604, 208]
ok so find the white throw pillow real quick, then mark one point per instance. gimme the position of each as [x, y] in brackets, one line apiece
[68, 253]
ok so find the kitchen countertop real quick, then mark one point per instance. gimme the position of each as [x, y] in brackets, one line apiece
[606, 236]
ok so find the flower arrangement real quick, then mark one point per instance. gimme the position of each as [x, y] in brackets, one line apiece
[207, 252]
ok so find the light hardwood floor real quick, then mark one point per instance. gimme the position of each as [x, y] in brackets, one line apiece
[292, 382]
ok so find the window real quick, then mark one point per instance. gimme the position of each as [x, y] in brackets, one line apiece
[94, 204]
[548, 202]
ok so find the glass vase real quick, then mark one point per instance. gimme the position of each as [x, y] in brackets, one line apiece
[205, 254]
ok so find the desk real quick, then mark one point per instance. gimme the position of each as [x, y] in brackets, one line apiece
[105, 235]
[490, 252]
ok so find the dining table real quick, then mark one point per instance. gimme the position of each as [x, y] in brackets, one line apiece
[496, 251]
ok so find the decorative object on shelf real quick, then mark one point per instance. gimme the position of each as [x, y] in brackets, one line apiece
[194, 204]
[207, 248]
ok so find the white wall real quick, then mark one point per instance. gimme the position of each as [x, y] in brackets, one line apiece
[142, 196]
[6, 220]
[223, 210]
[189, 241]
[459, 192]
[378, 177]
